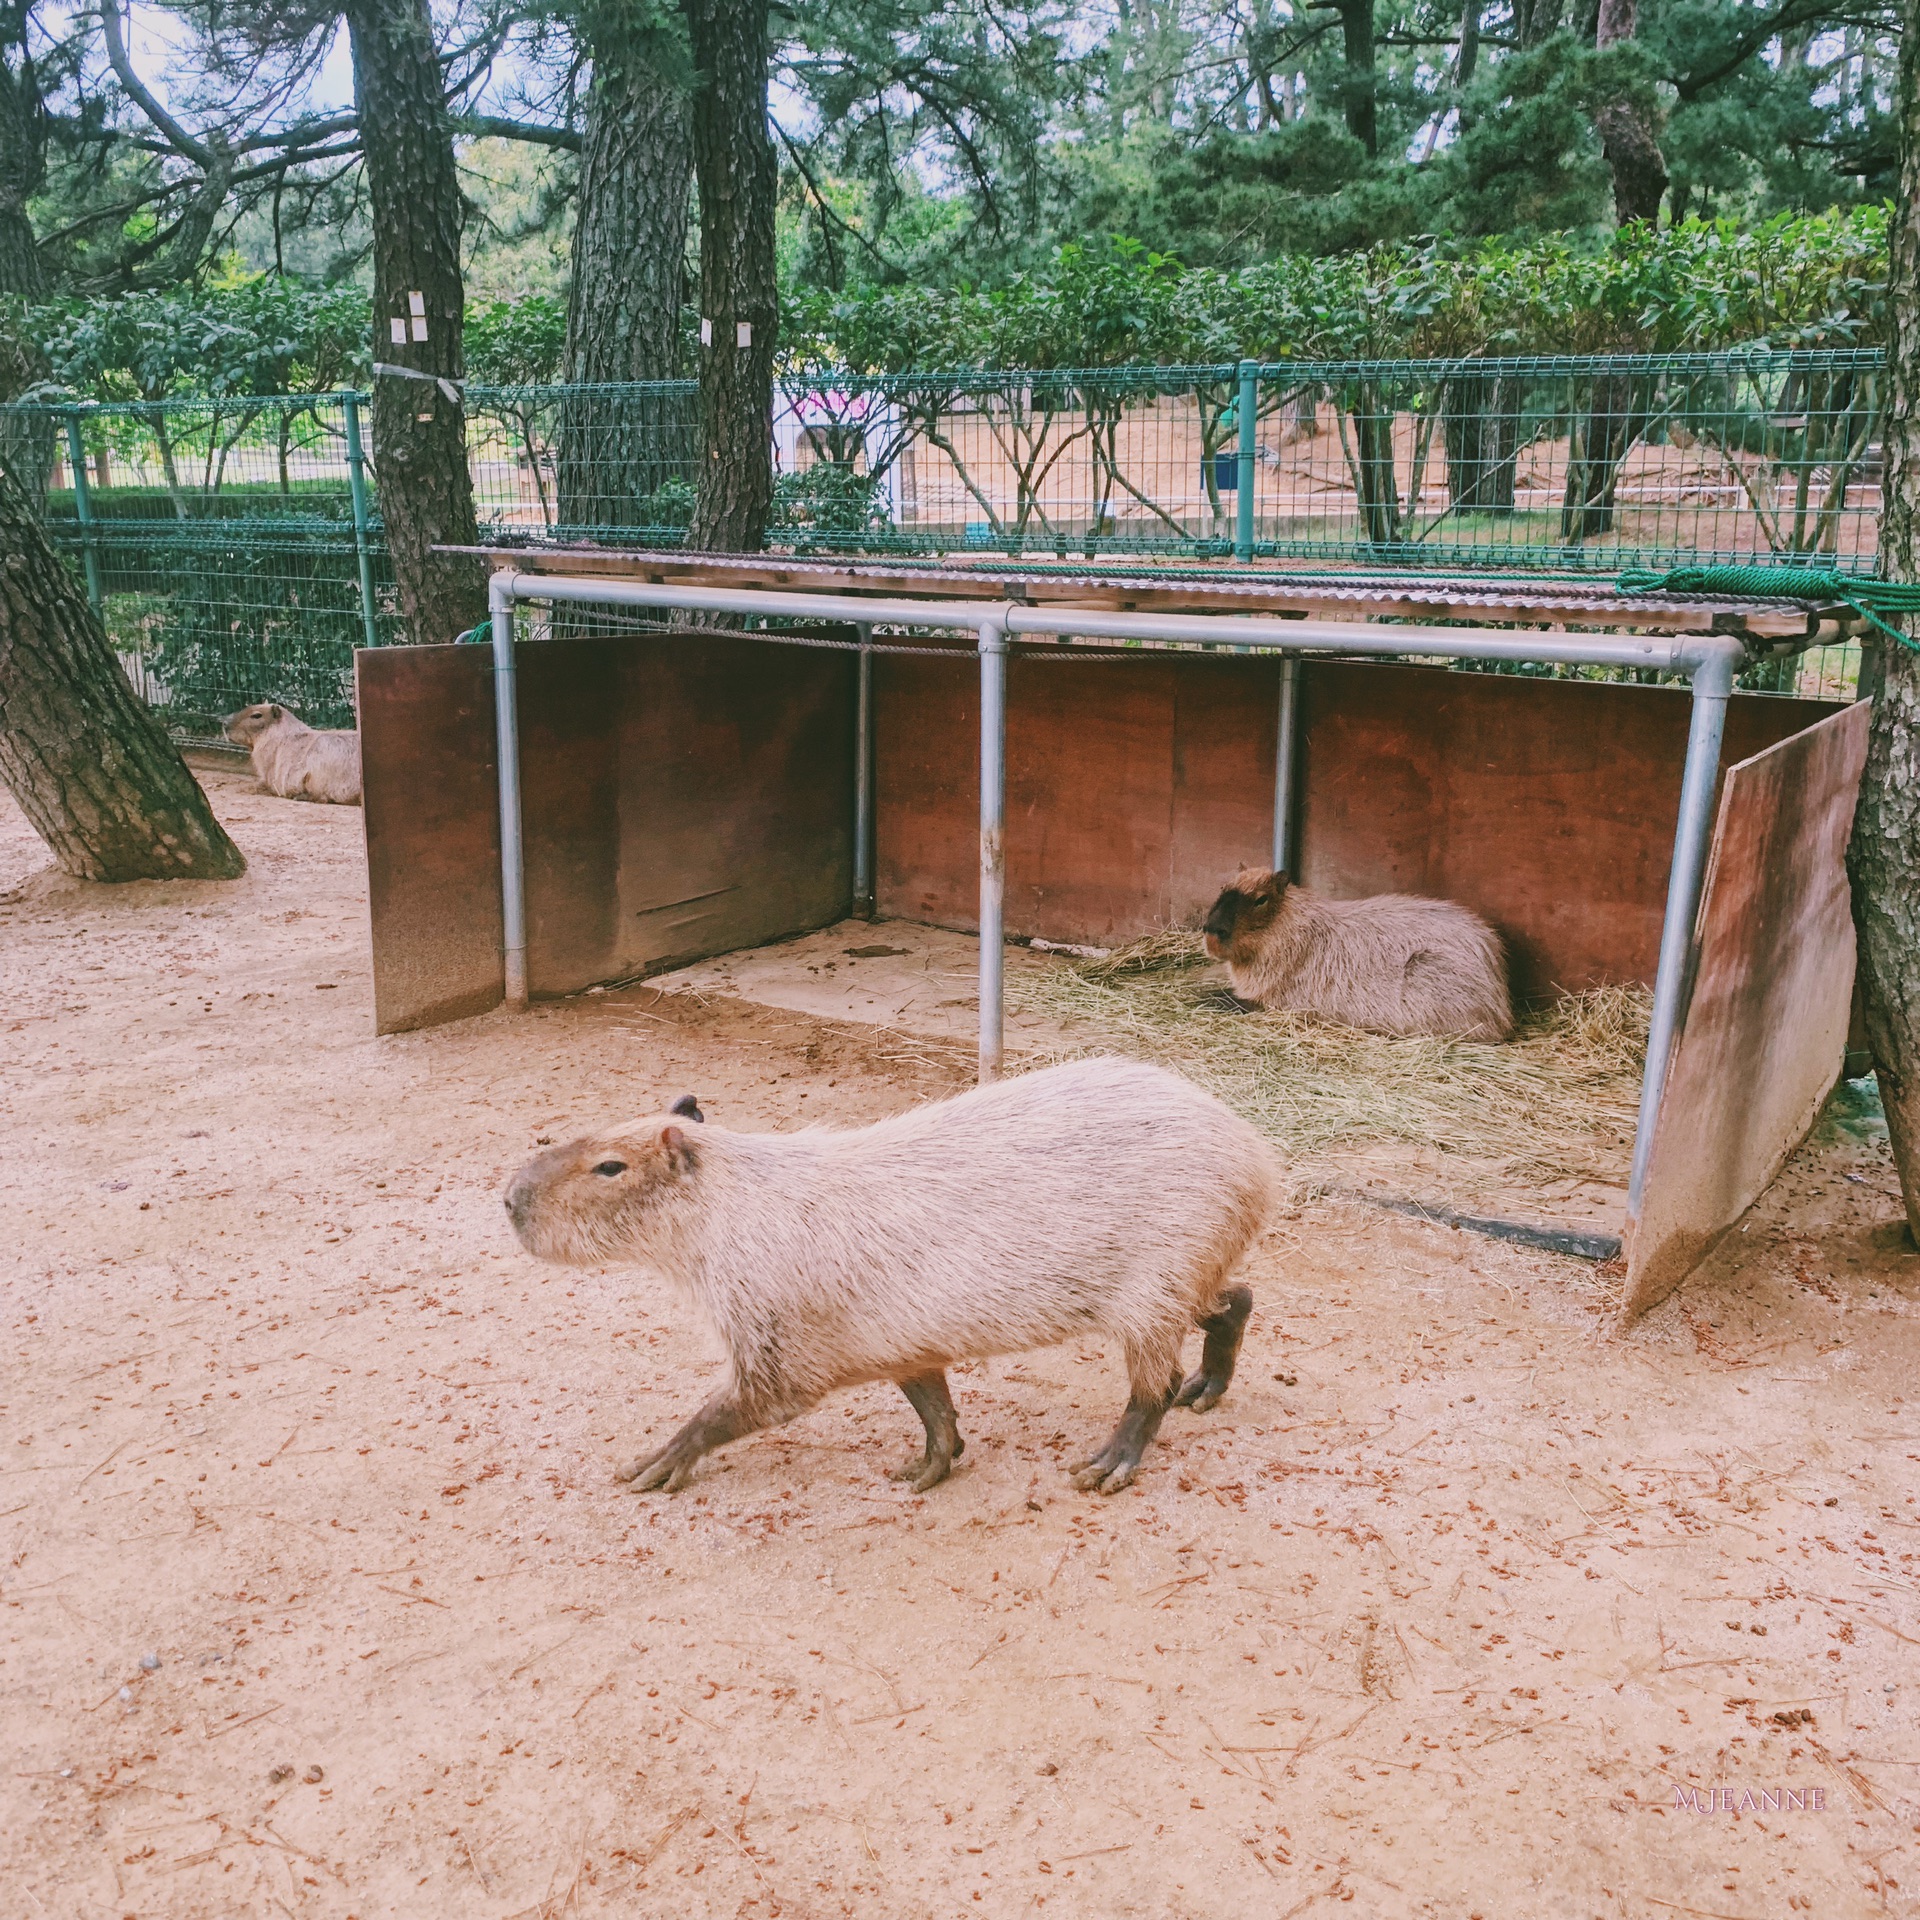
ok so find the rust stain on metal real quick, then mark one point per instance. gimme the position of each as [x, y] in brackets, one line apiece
[433, 832]
[1766, 1024]
[1135, 788]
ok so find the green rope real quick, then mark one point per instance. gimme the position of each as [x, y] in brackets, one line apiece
[1867, 597]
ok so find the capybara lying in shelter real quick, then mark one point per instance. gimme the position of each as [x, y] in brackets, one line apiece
[1105, 1196]
[1393, 964]
[295, 760]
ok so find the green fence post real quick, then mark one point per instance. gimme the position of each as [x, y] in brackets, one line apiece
[1249, 447]
[357, 486]
[83, 508]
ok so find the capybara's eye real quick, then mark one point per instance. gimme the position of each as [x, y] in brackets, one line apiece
[611, 1167]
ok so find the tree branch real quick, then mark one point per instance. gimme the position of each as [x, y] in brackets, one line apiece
[183, 142]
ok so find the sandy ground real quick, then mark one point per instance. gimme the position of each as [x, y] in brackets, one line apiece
[1435, 1615]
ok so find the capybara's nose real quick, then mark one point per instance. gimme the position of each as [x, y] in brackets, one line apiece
[516, 1204]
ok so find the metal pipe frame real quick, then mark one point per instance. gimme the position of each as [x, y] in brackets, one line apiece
[1710, 661]
[993, 847]
[863, 780]
[513, 867]
[1692, 835]
[1285, 748]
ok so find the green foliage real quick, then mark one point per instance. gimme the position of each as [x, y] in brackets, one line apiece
[516, 343]
[829, 502]
[247, 616]
[249, 337]
[1796, 280]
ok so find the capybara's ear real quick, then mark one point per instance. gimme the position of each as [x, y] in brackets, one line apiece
[688, 1108]
[275, 711]
[674, 1149]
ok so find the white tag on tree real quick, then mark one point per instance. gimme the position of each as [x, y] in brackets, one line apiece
[416, 303]
[419, 327]
[743, 334]
[706, 333]
[399, 333]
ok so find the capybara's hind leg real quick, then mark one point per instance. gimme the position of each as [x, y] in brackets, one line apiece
[725, 1417]
[1223, 1328]
[934, 1404]
[1151, 1378]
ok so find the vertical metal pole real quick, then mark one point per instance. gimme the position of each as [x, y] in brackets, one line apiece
[83, 508]
[863, 780]
[1249, 447]
[513, 869]
[1712, 685]
[1283, 763]
[993, 820]
[357, 486]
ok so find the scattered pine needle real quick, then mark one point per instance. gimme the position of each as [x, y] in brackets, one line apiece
[1556, 1101]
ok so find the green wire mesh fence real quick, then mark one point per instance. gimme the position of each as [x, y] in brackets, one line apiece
[234, 545]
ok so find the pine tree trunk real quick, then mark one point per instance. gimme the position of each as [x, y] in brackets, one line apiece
[1629, 133]
[1481, 418]
[1884, 859]
[26, 439]
[89, 764]
[628, 282]
[1356, 48]
[23, 155]
[733, 157]
[419, 428]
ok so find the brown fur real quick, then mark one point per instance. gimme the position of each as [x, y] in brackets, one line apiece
[294, 760]
[1393, 964]
[1104, 1196]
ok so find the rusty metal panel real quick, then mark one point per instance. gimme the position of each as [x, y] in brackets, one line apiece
[682, 796]
[1547, 805]
[1766, 1022]
[432, 821]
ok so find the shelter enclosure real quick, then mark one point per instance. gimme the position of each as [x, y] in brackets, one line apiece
[644, 772]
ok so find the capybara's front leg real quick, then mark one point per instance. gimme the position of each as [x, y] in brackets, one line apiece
[934, 1404]
[725, 1417]
[1152, 1379]
[1223, 1328]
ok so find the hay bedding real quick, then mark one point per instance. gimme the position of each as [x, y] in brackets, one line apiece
[1556, 1102]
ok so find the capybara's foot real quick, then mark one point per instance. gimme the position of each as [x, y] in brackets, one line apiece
[1113, 1466]
[1107, 1472]
[720, 1420]
[668, 1469]
[929, 1468]
[1202, 1390]
[1220, 1351]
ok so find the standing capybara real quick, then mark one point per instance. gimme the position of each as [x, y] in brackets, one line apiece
[1106, 1196]
[1393, 964]
[295, 760]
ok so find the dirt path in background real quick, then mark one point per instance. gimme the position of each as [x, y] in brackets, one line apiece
[1433, 1616]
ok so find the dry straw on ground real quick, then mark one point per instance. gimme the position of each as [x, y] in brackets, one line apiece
[1556, 1101]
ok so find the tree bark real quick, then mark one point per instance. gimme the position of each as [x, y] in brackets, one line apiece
[419, 427]
[1481, 418]
[1629, 134]
[1884, 859]
[26, 441]
[1357, 79]
[80, 751]
[739, 306]
[628, 278]
[23, 156]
